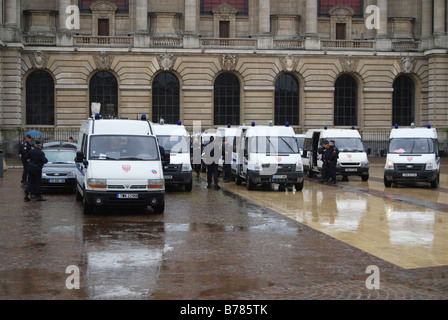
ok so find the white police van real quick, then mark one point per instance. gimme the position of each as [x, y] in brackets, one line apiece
[413, 155]
[269, 155]
[352, 156]
[175, 140]
[232, 135]
[118, 163]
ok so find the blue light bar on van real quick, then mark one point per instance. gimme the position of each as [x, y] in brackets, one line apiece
[228, 125]
[325, 127]
[97, 116]
[429, 126]
[253, 124]
[143, 117]
[179, 123]
[396, 126]
[287, 124]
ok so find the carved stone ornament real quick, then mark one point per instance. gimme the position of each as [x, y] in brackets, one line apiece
[289, 63]
[224, 8]
[341, 10]
[38, 59]
[349, 64]
[228, 62]
[407, 65]
[166, 61]
[103, 60]
[103, 6]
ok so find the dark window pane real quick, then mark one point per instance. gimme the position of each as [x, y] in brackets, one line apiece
[226, 100]
[241, 5]
[403, 108]
[345, 101]
[165, 98]
[286, 100]
[103, 88]
[40, 99]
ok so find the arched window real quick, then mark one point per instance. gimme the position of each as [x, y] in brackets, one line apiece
[227, 100]
[356, 5]
[403, 106]
[165, 98]
[346, 101]
[286, 100]
[103, 88]
[40, 98]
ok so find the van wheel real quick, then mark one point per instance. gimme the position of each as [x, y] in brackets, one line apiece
[238, 179]
[86, 207]
[78, 195]
[249, 184]
[387, 183]
[189, 186]
[299, 186]
[435, 183]
[310, 173]
[365, 178]
[159, 209]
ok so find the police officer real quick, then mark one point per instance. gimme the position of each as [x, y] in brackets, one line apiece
[212, 152]
[332, 161]
[324, 151]
[24, 148]
[36, 160]
[227, 164]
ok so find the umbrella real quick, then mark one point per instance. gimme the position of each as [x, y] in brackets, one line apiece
[34, 133]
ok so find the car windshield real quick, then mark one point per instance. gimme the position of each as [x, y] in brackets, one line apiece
[174, 144]
[114, 147]
[411, 145]
[60, 157]
[348, 144]
[273, 145]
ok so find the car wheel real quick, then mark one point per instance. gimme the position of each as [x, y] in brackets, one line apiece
[189, 186]
[87, 207]
[387, 183]
[435, 183]
[365, 178]
[159, 209]
[249, 184]
[299, 186]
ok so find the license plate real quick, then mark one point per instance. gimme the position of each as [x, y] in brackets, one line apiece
[56, 180]
[127, 196]
[409, 174]
[168, 177]
[351, 170]
[279, 176]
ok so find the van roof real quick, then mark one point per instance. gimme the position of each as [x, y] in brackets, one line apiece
[121, 126]
[413, 133]
[335, 133]
[265, 131]
[169, 129]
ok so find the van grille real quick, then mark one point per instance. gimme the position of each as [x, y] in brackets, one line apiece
[410, 167]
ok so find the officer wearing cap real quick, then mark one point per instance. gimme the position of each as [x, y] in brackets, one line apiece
[36, 160]
[324, 151]
[24, 148]
[334, 155]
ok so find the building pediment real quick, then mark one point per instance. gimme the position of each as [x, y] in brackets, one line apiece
[103, 6]
[341, 10]
[224, 8]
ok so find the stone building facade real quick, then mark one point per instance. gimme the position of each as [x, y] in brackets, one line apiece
[308, 62]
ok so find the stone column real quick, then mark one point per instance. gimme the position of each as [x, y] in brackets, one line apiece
[141, 16]
[264, 17]
[439, 16]
[311, 18]
[191, 37]
[382, 31]
[11, 12]
[63, 4]
[426, 18]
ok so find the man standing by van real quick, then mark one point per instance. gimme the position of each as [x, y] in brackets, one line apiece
[332, 161]
[324, 151]
[212, 153]
[24, 148]
[36, 160]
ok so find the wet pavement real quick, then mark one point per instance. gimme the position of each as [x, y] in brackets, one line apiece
[231, 243]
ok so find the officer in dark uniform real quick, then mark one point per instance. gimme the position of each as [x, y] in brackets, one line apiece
[36, 160]
[212, 159]
[324, 151]
[227, 163]
[24, 148]
[333, 160]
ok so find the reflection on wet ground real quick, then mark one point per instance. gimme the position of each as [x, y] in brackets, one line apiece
[314, 244]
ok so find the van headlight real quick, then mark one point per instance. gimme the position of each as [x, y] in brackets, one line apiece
[390, 165]
[299, 167]
[97, 183]
[186, 167]
[365, 164]
[156, 183]
[258, 166]
[431, 165]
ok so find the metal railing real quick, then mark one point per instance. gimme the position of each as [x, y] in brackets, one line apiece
[51, 134]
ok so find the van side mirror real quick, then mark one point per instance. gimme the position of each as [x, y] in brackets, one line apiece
[79, 156]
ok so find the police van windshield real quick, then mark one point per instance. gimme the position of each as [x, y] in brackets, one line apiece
[411, 145]
[111, 147]
[174, 144]
[348, 144]
[273, 145]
